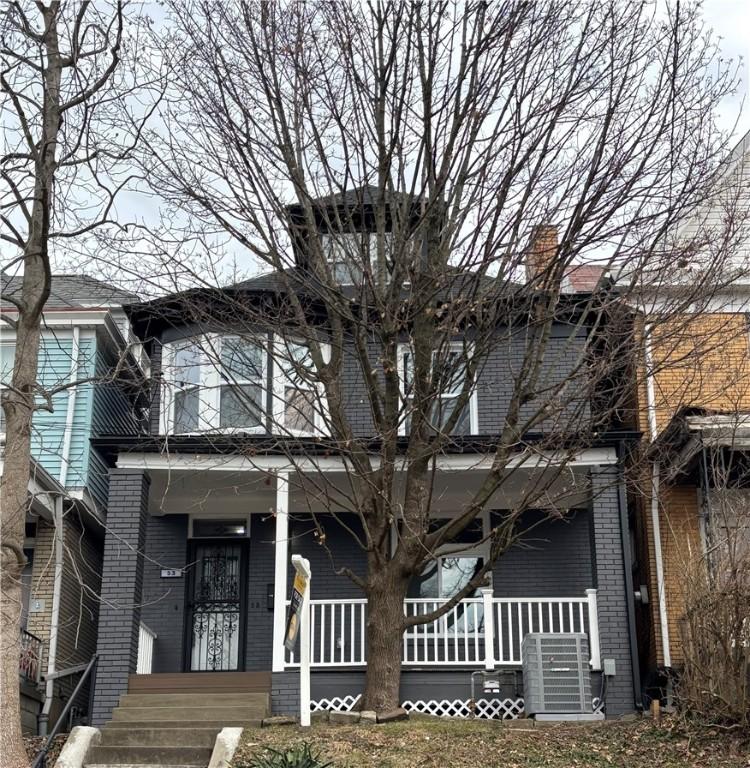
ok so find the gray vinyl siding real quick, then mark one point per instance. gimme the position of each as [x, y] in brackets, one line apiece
[111, 414]
[557, 382]
[112, 408]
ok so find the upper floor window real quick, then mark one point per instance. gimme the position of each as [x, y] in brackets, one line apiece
[298, 396]
[242, 391]
[214, 383]
[221, 383]
[450, 373]
[349, 253]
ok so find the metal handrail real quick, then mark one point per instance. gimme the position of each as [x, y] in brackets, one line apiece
[41, 755]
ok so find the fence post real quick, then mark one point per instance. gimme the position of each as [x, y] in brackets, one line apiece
[489, 628]
[596, 661]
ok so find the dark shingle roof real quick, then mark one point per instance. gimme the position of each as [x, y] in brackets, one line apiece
[359, 197]
[73, 292]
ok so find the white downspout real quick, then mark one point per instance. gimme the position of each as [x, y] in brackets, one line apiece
[49, 691]
[659, 562]
[70, 414]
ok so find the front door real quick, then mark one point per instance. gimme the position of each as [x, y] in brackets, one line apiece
[215, 631]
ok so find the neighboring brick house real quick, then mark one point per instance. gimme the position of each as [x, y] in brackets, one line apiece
[84, 335]
[206, 509]
[693, 406]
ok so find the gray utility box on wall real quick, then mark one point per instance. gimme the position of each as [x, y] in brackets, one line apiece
[556, 677]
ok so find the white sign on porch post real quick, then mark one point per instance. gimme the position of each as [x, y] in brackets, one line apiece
[299, 615]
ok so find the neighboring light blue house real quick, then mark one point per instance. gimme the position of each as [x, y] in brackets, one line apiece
[87, 353]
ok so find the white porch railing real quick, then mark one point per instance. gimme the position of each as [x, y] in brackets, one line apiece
[146, 639]
[481, 631]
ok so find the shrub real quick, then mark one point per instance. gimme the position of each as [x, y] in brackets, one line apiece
[298, 756]
[715, 685]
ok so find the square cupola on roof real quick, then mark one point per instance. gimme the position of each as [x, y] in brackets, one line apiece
[347, 224]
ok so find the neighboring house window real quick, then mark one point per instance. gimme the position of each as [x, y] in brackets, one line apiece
[347, 252]
[451, 381]
[299, 400]
[214, 383]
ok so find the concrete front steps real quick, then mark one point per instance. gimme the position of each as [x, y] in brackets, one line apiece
[172, 730]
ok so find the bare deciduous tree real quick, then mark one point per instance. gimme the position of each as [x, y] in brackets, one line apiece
[71, 120]
[445, 132]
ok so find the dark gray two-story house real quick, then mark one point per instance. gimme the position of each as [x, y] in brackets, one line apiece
[206, 509]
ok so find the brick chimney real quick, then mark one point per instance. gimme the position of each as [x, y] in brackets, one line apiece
[541, 251]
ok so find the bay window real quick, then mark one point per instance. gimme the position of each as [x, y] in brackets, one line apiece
[298, 396]
[220, 383]
[212, 383]
[242, 391]
[186, 379]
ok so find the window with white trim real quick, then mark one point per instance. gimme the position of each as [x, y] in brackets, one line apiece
[298, 396]
[450, 381]
[456, 564]
[242, 391]
[185, 371]
[214, 383]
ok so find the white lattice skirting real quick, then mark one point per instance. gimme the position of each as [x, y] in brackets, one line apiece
[489, 709]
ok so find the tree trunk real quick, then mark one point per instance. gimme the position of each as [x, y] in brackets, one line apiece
[18, 404]
[385, 617]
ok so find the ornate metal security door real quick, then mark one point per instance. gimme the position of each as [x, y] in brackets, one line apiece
[216, 607]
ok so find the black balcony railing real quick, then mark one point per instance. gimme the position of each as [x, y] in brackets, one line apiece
[30, 661]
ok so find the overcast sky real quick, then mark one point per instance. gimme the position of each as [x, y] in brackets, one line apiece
[730, 20]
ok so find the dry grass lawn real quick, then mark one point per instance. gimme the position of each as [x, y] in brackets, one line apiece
[433, 743]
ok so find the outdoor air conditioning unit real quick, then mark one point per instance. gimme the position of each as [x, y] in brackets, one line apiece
[556, 677]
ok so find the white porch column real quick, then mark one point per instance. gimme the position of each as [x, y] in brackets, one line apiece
[489, 629]
[596, 653]
[281, 555]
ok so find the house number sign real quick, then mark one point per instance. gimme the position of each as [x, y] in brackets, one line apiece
[171, 573]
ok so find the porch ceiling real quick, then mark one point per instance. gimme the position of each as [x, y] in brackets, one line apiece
[233, 493]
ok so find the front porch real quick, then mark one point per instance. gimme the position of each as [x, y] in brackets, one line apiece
[484, 632]
[558, 583]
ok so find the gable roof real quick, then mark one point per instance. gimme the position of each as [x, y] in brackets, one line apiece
[72, 292]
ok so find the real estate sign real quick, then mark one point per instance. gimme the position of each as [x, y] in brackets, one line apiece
[295, 610]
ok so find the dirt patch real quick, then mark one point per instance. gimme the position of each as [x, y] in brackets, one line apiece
[435, 743]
